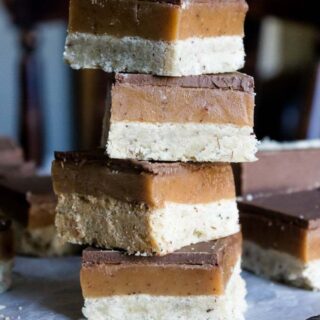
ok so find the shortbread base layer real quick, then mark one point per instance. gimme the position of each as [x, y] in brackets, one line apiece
[110, 223]
[181, 142]
[5, 274]
[43, 242]
[231, 305]
[281, 266]
[193, 56]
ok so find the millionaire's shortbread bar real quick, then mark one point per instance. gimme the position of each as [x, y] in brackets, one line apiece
[206, 118]
[282, 237]
[165, 37]
[142, 206]
[199, 282]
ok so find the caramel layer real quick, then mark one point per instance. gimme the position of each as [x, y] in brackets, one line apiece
[272, 233]
[176, 104]
[177, 182]
[157, 20]
[106, 280]
[178, 274]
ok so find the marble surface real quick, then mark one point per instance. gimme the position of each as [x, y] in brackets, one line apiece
[48, 289]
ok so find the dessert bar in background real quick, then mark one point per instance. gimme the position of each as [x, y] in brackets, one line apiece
[10, 153]
[282, 237]
[197, 118]
[6, 254]
[12, 161]
[167, 37]
[30, 203]
[142, 206]
[282, 167]
[197, 282]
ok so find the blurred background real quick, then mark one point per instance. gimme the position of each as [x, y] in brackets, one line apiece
[45, 106]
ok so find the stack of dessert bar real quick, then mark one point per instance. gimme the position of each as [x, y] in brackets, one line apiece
[280, 212]
[159, 201]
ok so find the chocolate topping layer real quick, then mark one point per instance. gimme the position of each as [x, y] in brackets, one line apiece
[129, 165]
[204, 253]
[228, 81]
[299, 208]
[292, 170]
[152, 183]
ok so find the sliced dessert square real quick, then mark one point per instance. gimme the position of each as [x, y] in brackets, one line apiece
[140, 206]
[199, 282]
[206, 118]
[282, 237]
[165, 37]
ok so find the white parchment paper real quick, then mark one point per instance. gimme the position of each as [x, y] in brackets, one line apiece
[47, 289]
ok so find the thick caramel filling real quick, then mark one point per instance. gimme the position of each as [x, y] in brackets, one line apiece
[181, 105]
[206, 184]
[157, 21]
[107, 280]
[6, 245]
[274, 234]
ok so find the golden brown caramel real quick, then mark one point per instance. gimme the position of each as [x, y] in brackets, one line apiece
[157, 20]
[176, 104]
[181, 183]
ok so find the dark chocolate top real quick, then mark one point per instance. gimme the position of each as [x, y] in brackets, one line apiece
[5, 224]
[227, 81]
[98, 156]
[204, 253]
[300, 208]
